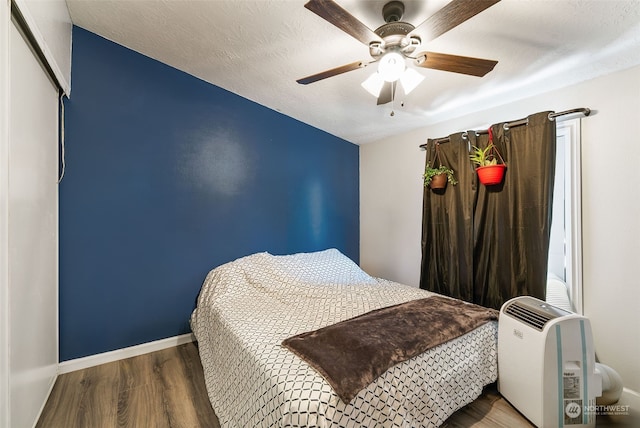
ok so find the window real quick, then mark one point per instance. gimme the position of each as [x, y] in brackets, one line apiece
[565, 249]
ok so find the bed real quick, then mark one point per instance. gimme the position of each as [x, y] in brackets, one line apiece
[248, 307]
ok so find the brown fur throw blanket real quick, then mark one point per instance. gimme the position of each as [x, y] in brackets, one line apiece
[353, 353]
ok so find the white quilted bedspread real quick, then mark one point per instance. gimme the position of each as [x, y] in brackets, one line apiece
[248, 306]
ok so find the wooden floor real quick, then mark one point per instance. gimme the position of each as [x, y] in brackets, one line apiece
[166, 389]
[160, 389]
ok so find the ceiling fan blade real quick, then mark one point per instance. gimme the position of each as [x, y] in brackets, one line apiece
[450, 16]
[333, 72]
[330, 11]
[454, 63]
[386, 93]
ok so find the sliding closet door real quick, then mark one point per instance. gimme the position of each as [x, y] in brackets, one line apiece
[32, 233]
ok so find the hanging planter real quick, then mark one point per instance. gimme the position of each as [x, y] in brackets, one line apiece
[489, 163]
[491, 174]
[439, 181]
[437, 176]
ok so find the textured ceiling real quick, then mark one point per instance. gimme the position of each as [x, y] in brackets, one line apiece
[258, 48]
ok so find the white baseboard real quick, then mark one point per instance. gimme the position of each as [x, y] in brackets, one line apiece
[629, 404]
[121, 354]
[631, 397]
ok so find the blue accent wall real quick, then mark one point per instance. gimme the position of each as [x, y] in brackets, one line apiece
[168, 177]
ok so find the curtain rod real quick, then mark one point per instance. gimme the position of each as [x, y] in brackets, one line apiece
[584, 110]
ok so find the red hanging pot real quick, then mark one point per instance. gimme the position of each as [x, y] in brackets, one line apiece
[491, 174]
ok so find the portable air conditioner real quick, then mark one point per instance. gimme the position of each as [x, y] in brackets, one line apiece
[546, 364]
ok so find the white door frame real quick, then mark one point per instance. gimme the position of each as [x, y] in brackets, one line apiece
[5, 24]
[570, 130]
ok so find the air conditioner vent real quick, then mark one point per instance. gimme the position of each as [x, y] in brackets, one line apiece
[528, 315]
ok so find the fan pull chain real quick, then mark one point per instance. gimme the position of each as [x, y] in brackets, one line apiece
[393, 98]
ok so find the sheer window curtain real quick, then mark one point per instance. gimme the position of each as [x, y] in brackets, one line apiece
[488, 244]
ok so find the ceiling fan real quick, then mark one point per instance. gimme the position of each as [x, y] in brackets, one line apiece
[395, 42]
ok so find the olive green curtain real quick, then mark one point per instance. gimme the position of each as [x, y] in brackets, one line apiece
[487, 244]
[447, 225]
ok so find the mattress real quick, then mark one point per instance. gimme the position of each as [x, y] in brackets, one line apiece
[247, 307]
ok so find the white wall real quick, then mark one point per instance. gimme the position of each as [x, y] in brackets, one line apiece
[391, 205]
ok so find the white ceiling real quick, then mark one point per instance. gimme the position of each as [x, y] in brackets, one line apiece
[258, 48]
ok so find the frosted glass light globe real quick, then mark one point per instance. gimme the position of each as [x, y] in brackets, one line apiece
[391, 66]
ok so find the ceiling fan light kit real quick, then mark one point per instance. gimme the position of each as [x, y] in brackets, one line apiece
[391, 66]
[394, 42]
[410, 80]
[373, 84]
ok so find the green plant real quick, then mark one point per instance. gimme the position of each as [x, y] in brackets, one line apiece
[484, 157]
[430, 172]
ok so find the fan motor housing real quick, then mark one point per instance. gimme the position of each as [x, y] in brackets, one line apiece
[394, 35]
[397, 28]
[393, 11]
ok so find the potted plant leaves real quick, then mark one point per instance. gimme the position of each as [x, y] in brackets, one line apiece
[489, 163]
[437, 175]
